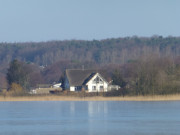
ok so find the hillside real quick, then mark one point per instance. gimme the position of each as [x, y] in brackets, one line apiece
[109, 53]
[118, 50]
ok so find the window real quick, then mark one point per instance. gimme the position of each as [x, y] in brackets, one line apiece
[97, 80]
[93, 87]
[101, 87]
[78, 88]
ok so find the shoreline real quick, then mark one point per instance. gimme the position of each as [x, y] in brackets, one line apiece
[96, 98]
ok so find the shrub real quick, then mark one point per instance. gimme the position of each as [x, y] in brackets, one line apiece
[15, 90]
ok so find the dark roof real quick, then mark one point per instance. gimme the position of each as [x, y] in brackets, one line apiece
[89, 78]
[78, 77]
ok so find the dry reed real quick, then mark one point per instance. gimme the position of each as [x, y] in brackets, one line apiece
[96, 98]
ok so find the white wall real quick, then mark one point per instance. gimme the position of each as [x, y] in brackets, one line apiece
[90, 84]
[72, 88]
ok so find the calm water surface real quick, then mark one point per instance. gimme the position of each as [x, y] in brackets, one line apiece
[89, 118]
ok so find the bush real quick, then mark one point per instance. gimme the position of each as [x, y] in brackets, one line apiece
[121, 92]
[15, 90]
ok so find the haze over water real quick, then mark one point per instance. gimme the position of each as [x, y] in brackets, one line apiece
[89, 118]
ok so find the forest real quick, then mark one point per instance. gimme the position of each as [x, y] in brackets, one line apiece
[140, 65]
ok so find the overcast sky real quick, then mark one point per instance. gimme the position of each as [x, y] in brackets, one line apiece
[43, 20]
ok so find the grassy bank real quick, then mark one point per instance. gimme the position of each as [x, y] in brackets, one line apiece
[97, 98]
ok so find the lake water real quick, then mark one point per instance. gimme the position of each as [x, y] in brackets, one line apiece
[90, 118]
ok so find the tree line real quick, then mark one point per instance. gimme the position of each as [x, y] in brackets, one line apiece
[140, 65]
[146, 76]
[119, 50]
[150, 76]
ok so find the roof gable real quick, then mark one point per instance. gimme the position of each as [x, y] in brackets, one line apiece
[95, 76]
[78, 77]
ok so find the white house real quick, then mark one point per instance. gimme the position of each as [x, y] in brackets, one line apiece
[89, 80]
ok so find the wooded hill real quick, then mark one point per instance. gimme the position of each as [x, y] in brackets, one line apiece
[119, 50]
[112, 54]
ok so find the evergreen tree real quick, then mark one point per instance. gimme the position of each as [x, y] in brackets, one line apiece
[18, 73]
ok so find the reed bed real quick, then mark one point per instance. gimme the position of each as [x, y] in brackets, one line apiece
[95, 98]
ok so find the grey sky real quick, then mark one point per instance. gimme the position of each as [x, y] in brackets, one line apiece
[42, 20]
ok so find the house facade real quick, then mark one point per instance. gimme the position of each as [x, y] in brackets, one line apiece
[97, 83]
[88, 80]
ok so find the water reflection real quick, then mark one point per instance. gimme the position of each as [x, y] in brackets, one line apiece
[72, 107]
[97, 111]
[97, 108]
